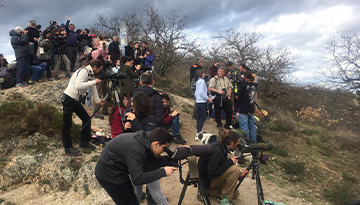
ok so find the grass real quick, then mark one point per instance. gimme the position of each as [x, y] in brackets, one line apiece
[76, 188]
[3, 188]
[39, 147]
[339, 194]
[36, 117]
[74, 165]
[2, 200]
[86, 189]
[94, 158]
[43, 182]
[294, 170]
[280, 151]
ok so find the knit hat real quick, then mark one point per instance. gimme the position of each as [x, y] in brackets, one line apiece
[18, 29]
[32, 21]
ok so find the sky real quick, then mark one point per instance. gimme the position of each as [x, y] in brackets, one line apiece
[299, 25]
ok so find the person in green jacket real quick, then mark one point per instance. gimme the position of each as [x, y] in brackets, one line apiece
[127, 84]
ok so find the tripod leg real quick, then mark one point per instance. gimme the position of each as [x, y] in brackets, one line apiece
[186, 183]
[260, 194]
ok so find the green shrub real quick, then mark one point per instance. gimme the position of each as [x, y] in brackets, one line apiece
[339, 194]
[294, 170]
[94, 158]
[45, 181]
[280, 151]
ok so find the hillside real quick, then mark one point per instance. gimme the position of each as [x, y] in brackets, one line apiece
[34, 169]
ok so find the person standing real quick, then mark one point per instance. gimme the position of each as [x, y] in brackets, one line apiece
[19, 42]
[246, 101]
[199, 62]
[80, 81]
[72, 39]
[43, 52]
[114, 50]
[201, 99]
[33, 34]
[221, 87]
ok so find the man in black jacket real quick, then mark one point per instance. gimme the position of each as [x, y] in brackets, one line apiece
[219, 173]
[125, 156]
[114, 50]
[147, 83]
[33, 34]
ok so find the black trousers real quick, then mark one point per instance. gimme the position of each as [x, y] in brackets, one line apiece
[71, 53]
[122, 194]
[69, 107]
[226, 106]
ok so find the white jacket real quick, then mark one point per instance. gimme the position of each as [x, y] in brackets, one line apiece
[80, 81]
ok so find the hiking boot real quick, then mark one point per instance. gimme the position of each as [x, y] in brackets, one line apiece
[50, 79]
[100, 117]
[40, 80]
[31, 82]
[179, 140]
[72, 151]
[199, 197]
[56, 77]
[86, 145]
[219, 125]
[68, 75]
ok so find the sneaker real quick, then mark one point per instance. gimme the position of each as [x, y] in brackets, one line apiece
[72, 151]
[50, 79]
[219, 201]
[31, 82]
[40, 80]
[56, 77]
[179, 140]
[100, 117]
[220, 125]
[68, 75]
[199, 197]
[87, 145]
[21, 85]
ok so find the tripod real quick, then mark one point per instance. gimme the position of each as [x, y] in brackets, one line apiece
[106, 98]
[255, 175]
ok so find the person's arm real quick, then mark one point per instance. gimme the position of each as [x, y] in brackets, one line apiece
[67, 24]
[202, 89]
[131, 73]
[96, 53]
[135, 160]
[159, 111]
[150, 58]
[110, 49]
[217, 165]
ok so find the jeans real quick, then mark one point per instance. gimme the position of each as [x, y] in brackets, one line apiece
[69, 107]
[201, 116]
[22, 63]
[175, 124]
[155, 191]
[225, 104]
[37, 71]
[247, 123]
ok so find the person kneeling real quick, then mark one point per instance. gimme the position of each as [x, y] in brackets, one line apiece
[172, 120]
[219, 173]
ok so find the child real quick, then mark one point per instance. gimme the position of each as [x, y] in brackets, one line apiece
[115, 117]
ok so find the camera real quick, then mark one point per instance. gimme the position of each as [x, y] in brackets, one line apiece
[256, 147]
[125, 118]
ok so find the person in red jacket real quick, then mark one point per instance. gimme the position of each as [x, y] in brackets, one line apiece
[115, 117]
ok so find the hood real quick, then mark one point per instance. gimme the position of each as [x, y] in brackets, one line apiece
[143, 137]
[13, 33]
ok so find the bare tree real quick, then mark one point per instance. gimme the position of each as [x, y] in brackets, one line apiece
[344, 68]
[2, 4]
[168, 37]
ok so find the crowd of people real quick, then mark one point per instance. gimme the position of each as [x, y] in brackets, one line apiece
[141, 120]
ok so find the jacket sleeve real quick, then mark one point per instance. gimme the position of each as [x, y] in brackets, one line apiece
[67, 26]
[202, 90]
[42, 42]
[150, 58]
[111, 45]
[135, 161]
[159, 111]
[131, 73]
[22, 40]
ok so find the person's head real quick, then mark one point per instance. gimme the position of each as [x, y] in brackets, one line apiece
[78, 31]
[46, 33]
[1, 56]
[93, 36]
[38, 27]
[96, 65]
[221, 72]
[227, 71]
[19, 30]
[165, 98]
[160, 138]
[242, 67]
[230, 138]
[130, 44]
[118, 62]
[146, 79]
[136, 45]
[200, 73]
[86, 32]
[122, 103]
[115, 38]
[199, 61]
[127, 60]
[145, 44]
[148, 52]
[142, 105]
[230, 65]
[56, 31]
[216, 63]
[32, 23]
[95, 43]
[248, 76]
[72, 27]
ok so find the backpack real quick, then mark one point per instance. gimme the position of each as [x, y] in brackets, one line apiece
[8, 77]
